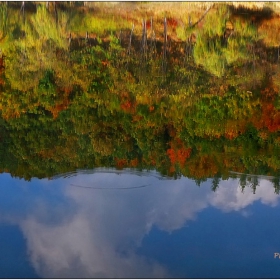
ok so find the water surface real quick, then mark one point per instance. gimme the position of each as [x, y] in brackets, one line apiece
[139, 140]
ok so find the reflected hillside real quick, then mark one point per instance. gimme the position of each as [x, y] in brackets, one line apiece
[140, 85]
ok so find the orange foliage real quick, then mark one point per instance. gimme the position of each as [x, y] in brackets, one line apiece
[152, 161]
[105, 62]
[270, 118]
[134, 162]
[263, 135]
[61, 105]
[226, 162]
[58, 108]
[269, 92]
[172, 23]
[234, 128]
[178, 153]
[127, 105]
[269, 29]
[121, 163]
[231, 134]
[172, 155]
[171, 170]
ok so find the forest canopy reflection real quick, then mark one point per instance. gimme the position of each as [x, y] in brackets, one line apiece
[138, 85]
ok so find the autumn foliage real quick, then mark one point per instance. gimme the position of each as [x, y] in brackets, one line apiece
[2, 67]
[270, 117]
[125, 110]
[178, 153]
[127, 105]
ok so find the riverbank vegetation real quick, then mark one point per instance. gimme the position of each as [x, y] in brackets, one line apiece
[83, 86]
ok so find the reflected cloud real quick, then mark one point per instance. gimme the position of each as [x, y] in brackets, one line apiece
[101, 233]
[229, 196]
[77, 250]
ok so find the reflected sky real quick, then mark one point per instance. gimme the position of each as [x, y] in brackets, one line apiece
[169, 228]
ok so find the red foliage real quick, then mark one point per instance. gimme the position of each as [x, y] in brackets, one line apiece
[172, 155]
[183, 155]
[1, 63]
[120, 163]
[178, 153]
[270, 117]
[172, 23]
[268, 93]
[1, 70]
[105, 62]
[128, 106]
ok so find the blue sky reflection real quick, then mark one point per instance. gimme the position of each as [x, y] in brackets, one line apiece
[171, 228]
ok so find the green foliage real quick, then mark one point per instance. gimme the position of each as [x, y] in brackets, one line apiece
[208, 52]
[3, 19]
[46, 28]
[216, 51]
[96, 24]
[214, 24]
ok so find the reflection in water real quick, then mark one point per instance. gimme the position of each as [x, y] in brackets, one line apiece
[98, 88]
[77, 232]
[90, 86]
[112, 188]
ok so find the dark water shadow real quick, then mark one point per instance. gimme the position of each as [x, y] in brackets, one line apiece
[255, 15]
[18, 5]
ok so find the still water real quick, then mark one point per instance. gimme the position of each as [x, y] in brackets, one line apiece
[93, 225]
[139, 140]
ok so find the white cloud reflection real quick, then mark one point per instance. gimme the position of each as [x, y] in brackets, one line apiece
[99, 238]
[229, 197]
